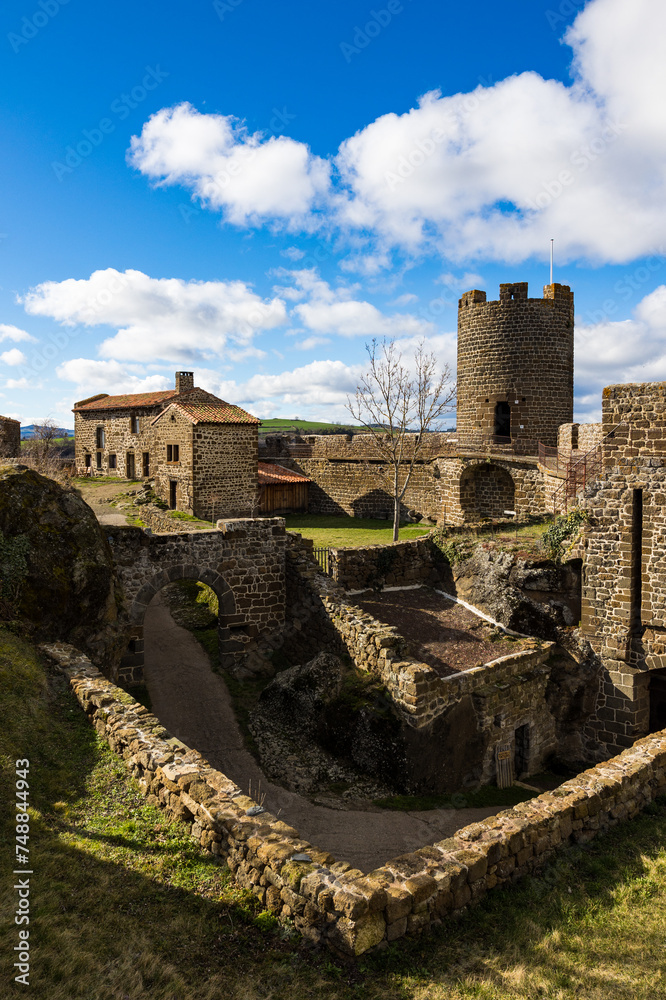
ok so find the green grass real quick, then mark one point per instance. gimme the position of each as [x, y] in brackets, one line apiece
[125, 905]
[349, 532]
[283, 425]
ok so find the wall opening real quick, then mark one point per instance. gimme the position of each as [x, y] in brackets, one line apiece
[521, 758]
[502, 420]
[146, 464]
[636, 582]
[486, 491]
[130, 468]
[574, 437]
[173, 494]
[657, 692]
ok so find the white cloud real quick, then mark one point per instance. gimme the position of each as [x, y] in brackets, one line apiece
[610, 352]
[293, 253]
[311, 342]
[91, 376]
[20, 383]
[13, 357]
[248, 177]
[160, 318]
[8, 332]
[335, 311]
[491, 174]
[405, 299]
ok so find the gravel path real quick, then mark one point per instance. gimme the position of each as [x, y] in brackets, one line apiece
[193, 704]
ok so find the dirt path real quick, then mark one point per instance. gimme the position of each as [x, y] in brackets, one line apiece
[193, 704]
[96, 494]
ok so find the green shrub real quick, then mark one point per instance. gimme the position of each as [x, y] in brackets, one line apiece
[562, 533]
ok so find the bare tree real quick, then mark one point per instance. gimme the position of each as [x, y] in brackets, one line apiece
[398, 405]
[42, 452]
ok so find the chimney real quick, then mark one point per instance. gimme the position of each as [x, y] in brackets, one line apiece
[184, 381]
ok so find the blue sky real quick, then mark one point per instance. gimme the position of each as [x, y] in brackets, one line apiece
[254, 190]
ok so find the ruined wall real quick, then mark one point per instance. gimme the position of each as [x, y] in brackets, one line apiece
[624, 577]
[398, 565]
[10, 438]
[517, 351]
[328, 901]
[578, 438]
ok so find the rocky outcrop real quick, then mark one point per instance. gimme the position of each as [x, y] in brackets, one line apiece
[501, 584]
[345, 719]
[59, 563]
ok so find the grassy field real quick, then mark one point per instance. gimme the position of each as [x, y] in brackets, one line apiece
[349, 532]
[282, 425]
[125, 906]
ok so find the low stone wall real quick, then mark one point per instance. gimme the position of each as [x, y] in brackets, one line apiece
[329, 901]
[401, 564]
[419, 691]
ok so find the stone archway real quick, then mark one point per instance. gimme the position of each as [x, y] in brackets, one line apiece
[486, 490]
[232, 636]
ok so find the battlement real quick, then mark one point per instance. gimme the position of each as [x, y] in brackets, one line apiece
[516, 291]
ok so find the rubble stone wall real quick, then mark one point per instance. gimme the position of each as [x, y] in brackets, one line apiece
[329, 902]
[401, 564]
[10, 438]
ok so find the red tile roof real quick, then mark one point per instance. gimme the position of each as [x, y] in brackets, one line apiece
[212, 413]
[269, 473]
[128, 401]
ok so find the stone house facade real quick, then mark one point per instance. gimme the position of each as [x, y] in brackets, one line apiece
[200, 451]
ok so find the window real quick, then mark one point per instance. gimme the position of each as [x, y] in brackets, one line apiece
[112, 462]
[173, 453]
[146, 464]
[99, 460]
[99, 437]
[134, 424]
[502, 420]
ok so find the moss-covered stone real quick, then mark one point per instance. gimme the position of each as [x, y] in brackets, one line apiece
[68, 592]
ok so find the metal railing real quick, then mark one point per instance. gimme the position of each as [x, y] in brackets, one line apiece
[323, 557]
[582, 471]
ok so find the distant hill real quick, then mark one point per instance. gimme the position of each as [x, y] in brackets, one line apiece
[28, 432]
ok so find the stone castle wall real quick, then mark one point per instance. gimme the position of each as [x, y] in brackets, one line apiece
[517, 351]
[329, 902]
[10, 438]
[624, 590]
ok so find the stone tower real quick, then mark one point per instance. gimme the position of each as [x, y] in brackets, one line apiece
[515, 366]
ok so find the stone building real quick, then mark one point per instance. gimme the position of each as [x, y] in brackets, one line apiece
[200, 451]
[10, 438]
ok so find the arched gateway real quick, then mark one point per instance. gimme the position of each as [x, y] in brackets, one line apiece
[242, 561]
